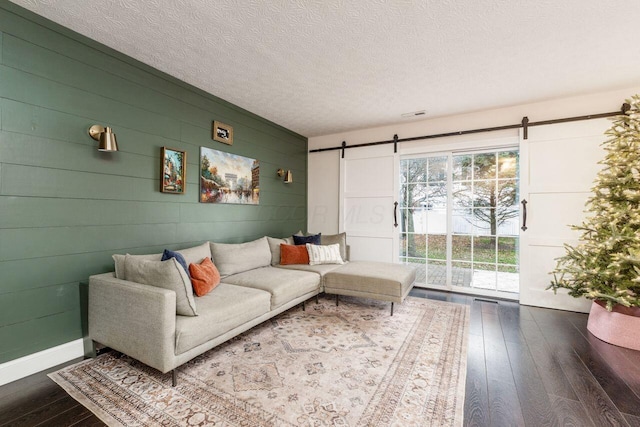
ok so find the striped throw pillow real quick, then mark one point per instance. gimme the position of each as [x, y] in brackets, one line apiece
[327, 254]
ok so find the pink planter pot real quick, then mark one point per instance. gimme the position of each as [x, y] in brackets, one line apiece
[619, 327]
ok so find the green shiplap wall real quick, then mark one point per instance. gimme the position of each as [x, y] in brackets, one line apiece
[65, 208]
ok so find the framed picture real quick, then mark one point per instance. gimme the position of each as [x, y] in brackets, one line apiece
[228, 178]
[173, 167]
[222, 133]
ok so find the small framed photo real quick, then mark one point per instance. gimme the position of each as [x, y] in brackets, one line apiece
[222, 133]
[173, 167]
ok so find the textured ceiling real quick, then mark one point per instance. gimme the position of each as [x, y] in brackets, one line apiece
[319, 67]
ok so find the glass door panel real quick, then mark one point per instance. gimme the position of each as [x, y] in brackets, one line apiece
[460, 219]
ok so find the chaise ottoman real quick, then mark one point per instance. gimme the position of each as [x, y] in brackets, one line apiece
[376, 280]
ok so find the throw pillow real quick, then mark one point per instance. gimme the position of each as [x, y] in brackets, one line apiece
[196, 254]
[332, 239]
[274, 245]
[292, 254]
[329, 254]
[232, 258]
[204, 277]
[167, 254]
[119, 262]
[163, 274]
[303, 240]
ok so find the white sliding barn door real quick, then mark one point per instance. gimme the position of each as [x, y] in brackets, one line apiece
[368, 191]
[558, 166]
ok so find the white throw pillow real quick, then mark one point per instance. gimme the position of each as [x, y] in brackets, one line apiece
[324, 254]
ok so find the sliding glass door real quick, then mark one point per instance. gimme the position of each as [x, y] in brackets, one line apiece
[460, 218]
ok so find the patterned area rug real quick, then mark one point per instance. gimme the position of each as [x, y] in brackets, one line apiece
[351, 365]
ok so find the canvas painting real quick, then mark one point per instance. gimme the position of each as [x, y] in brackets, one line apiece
[228, 178]
[173, 169]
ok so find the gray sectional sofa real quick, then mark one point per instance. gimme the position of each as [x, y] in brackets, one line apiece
[165, 327]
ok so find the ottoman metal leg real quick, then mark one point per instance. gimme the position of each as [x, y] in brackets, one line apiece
[392, 309]
[337, 300]
[303, 307]
[174, 378]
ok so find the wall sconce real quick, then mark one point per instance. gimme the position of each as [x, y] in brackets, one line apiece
[288, 176]
[105, 137]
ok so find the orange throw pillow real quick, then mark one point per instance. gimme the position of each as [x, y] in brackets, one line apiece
[292, 254]
[204, 277]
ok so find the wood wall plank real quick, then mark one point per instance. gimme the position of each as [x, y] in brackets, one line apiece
[65, 208]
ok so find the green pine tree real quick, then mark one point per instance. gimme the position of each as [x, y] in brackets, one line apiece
[605, 266]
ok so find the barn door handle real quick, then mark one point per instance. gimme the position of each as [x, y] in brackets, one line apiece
[395, 214]
[524, 215]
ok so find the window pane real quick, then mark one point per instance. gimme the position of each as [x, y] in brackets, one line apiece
[437, 170]
[413, 220]
[421, 270]
[437, 196]
[415, 170]
[507, 193]
[437, 246]
[461, 248]
[462, 167]
[484, 194]
[484, 222]
[437, 221]
[484, 166]
[508, 279]
[417, 245]
[508, 164]
[462, 195]
[461, 274]
[437, 273]
[484, 249]
[508, 250]
[403, 246]
[484, 276]
[417, 195]
[462, 221]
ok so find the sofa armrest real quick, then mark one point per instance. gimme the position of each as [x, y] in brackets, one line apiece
[137, 320]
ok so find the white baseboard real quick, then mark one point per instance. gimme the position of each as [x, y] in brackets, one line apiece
[36, 362]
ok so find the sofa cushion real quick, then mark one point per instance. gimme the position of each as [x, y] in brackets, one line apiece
[314, 239]
[196, 254]
[167, 254]
[378, 280]
[320, 269]
[163, 274]
[274, 246]
[283, 284]
[232, 258]
[204, 277]
[119, 262]
[293, 254]
[220, 311]
[332, 239]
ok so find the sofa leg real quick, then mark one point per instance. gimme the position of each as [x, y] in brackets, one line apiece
[317, 299]
[392, 309]
[337, 300]
[174, 378]
[303, 307]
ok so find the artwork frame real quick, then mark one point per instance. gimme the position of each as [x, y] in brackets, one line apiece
[173, 171]
[222, 133]
[227, 178]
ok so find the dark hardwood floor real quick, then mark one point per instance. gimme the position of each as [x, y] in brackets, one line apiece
[525, 366]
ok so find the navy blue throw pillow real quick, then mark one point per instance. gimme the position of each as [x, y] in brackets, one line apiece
[167, 254]
[314, 239]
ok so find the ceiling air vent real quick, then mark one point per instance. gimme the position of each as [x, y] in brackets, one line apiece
[413, 114]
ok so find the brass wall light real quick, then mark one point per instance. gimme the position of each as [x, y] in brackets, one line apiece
[105, 137]
[288, 176]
